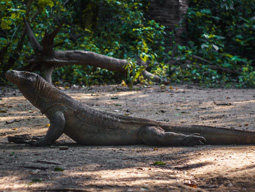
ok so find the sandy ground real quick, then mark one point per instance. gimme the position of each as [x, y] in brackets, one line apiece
[131, 168]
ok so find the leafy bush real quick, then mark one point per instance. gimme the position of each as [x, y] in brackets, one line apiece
[219, 47]
[114, 28]
[223, 34]
[118, 29]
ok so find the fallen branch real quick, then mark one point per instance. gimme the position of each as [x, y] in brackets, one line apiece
[48, 162]
[46, 59]
[224, 70]
[201, 59]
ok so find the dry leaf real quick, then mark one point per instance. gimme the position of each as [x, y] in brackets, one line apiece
[123, 83]
[191, 185]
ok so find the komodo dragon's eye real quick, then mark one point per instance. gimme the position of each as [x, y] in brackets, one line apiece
[26, 74]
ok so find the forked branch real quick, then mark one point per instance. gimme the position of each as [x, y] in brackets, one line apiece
[47, 59]
[33, 41]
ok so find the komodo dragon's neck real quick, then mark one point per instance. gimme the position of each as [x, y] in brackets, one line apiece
[43, 95]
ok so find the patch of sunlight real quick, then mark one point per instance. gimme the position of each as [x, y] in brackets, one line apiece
[224, 160]
[23, 117]
[244, 102]
[16, 183]
[133, 175]
[89, 95]
[127, 93]
[15, 98]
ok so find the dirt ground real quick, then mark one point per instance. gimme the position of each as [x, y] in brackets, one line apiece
[67, 166]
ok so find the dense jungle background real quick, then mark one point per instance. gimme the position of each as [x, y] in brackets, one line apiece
[216, 49]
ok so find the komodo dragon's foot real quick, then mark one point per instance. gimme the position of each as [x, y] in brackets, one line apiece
[194, 139]
[27, 139]
[19, 139]
[40, 142]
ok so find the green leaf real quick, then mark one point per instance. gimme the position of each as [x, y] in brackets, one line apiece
[13, 16]
[159, 163]
[206, 11]
[216, 18]
[228, 55]
[3, 40]
[137, 74]
[36, 180]
[44, 3]
[5, 24]
[58, 169]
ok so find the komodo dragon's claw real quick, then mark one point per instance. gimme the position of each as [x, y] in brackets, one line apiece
[38, 143]
[194, 139]
[19, 139]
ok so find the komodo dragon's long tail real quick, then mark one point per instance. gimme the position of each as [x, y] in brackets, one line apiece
[215, 136]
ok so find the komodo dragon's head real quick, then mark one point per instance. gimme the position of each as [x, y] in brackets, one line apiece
[21, 78]
[31, 85]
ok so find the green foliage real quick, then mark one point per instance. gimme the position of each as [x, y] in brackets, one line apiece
[115, 28]
[223, 34]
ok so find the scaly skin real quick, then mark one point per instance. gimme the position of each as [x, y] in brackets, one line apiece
[88, 126]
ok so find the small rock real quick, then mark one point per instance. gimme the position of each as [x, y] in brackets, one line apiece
[230, 184]
[10, 121]
[63, 147]
[75, 86]
[220, 103]
[162, 86]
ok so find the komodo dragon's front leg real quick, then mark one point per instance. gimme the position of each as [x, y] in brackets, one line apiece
[152, 135]
[57, 124]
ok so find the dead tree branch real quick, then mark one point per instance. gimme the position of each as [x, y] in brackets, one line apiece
[46, 59]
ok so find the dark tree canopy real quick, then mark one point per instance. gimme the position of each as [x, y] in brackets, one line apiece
[217, 48]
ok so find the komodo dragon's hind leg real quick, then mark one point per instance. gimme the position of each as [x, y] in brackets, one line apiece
[152, 135]
[57, 124]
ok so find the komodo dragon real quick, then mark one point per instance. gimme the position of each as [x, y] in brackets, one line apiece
[88, 126]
